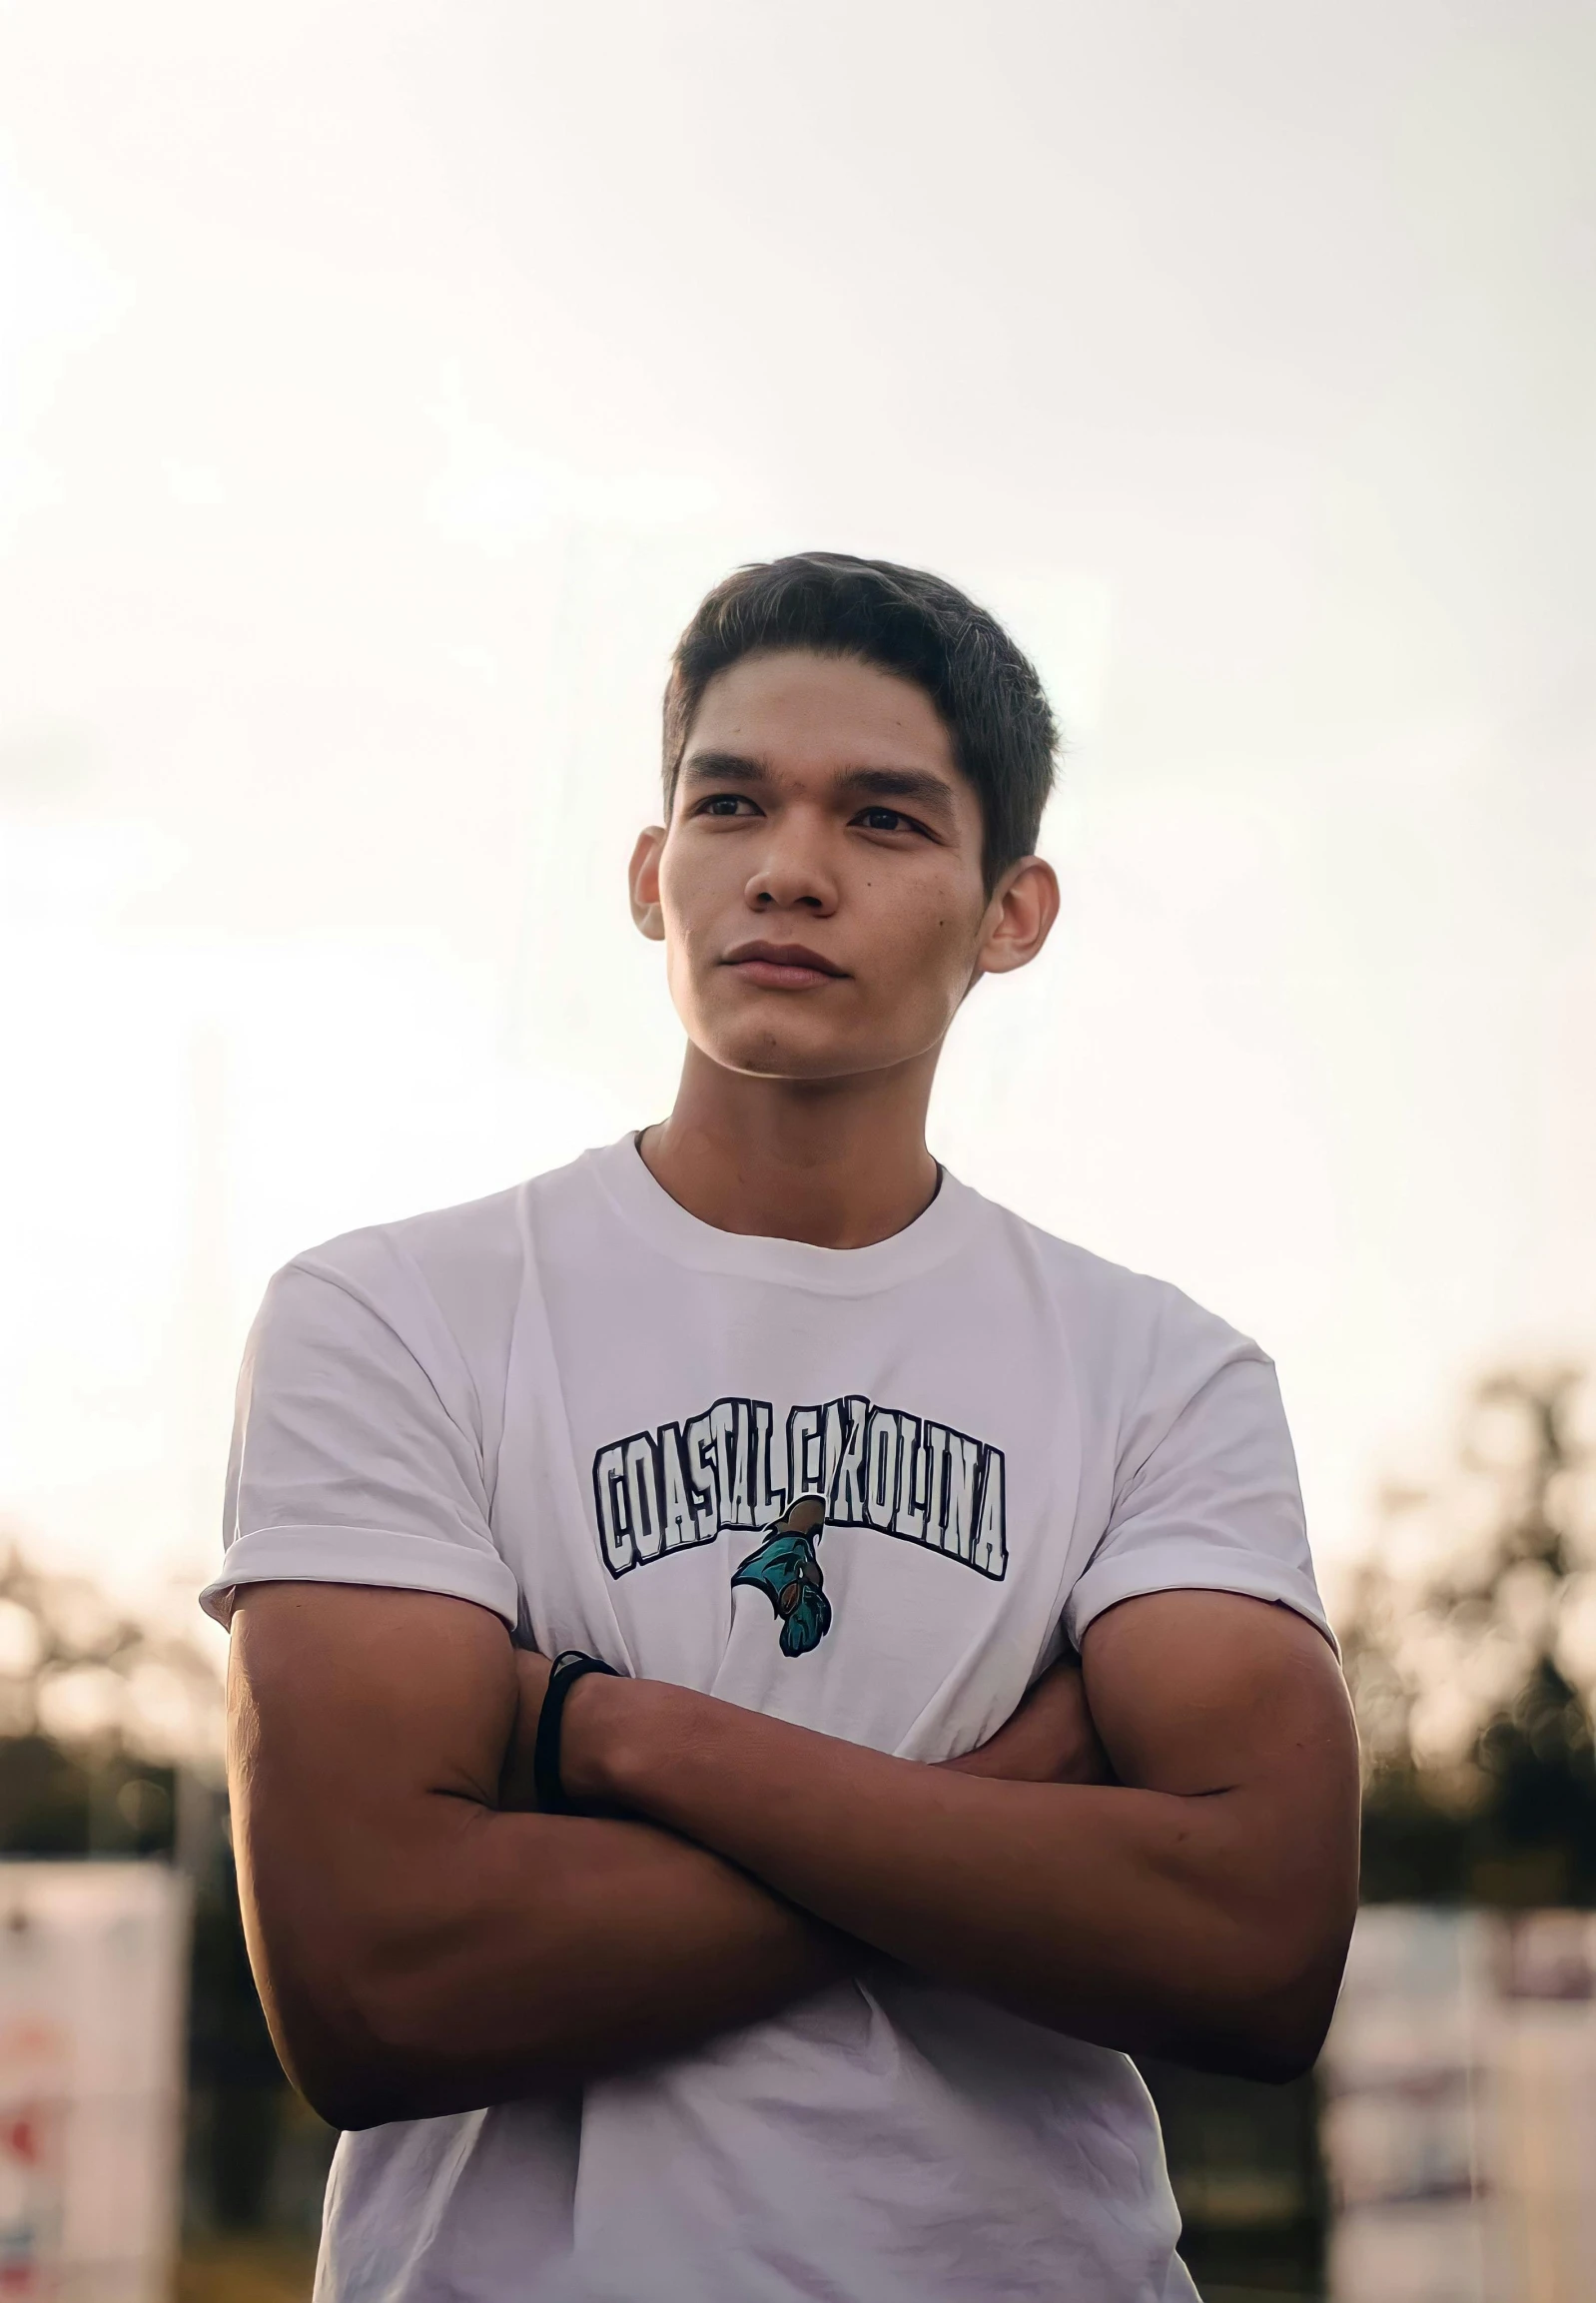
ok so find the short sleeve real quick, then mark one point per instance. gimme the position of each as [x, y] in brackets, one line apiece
[355, 1455]
[1214, 1503]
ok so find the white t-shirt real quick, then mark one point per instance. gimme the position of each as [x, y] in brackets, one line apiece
[580, 1406]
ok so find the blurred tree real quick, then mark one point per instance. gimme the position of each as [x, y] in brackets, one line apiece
[1470, 1650]
[83, 1676]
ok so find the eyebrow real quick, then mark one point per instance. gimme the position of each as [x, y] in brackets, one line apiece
[723, 768]
[918, 784]
[931, 791]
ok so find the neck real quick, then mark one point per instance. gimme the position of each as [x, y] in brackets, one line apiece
[833, 1162]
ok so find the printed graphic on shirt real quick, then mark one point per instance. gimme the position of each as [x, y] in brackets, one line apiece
[786, 1570]
[736, 1466]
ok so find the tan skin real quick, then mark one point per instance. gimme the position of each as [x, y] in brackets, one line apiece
[819, 805]
[424, 1944]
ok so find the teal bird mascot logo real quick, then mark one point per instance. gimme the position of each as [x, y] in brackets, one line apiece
[786, 1570]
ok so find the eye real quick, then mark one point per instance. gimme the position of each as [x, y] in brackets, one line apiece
[886, 820]
[726, 804]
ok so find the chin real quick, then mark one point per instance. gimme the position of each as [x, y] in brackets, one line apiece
[767, 1056]
[779, 1036]
[767, 1048]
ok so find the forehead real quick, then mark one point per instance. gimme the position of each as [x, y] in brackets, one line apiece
[800, 714]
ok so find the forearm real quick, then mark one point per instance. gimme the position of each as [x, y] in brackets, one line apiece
[1121, 1916]
[551, 1949]
[518, 1955]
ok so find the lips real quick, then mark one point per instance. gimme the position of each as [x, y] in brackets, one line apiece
[782, 967]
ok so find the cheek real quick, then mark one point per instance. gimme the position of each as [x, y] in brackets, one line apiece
[933, 944]
[687, 892]
[694, 900]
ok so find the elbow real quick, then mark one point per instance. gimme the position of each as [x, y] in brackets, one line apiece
[1272, 2031]
[350, 2086]
[380, 2039]
[354, 2080]
[349, 2034]
[362, 2058]
[341, 2097]
[335, 2057]
[1298, 1982]
[353, 2102]
[1271, 2047]
[1275, 2054]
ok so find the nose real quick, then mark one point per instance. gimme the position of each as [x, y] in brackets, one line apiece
[793, 872]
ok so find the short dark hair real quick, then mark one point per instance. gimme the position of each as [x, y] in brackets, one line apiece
[899, 618]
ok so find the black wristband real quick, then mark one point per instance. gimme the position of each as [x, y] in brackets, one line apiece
[569, 1667]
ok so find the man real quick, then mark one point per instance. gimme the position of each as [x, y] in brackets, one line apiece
[800, 1952]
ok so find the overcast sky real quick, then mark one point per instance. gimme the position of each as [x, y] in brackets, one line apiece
[379, 386]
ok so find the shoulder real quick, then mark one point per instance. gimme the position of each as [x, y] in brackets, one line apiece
[1141, 1351]
[384, 1263]
[1192, 1472]
[459, 1271]
[1127, 1322]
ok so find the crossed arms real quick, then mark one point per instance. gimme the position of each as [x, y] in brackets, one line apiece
[424, 1944]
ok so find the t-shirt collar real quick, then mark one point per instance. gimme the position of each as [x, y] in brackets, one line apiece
[648, 1209]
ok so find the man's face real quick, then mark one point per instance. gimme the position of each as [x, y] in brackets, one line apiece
[819, 887]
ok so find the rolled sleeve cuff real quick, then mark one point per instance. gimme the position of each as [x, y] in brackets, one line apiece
[364, 1555]
[1177, 1567]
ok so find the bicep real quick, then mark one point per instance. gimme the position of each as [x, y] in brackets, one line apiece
[1238, 1701]
[359, 1692]
[365, 1726]
[1201, 1691]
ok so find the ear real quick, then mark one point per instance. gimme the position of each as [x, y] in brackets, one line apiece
[642, 878]
[1018, 918]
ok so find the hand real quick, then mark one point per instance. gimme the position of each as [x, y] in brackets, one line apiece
[1049, 1739]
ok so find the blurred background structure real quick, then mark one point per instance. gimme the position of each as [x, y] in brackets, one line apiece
[1442, 2151]
[380, 388]
[140, 2098]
